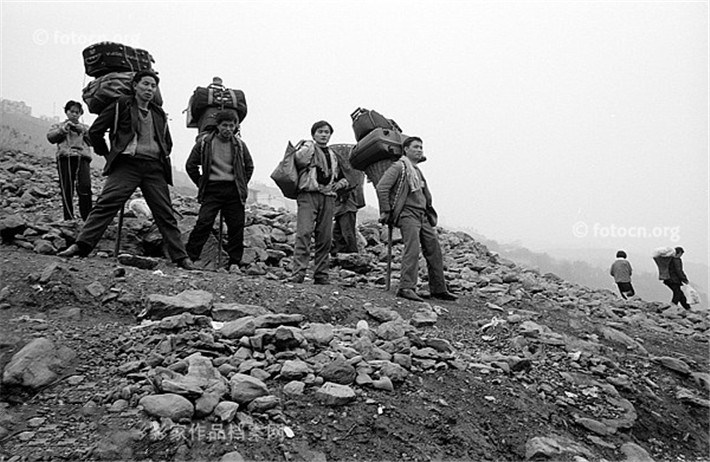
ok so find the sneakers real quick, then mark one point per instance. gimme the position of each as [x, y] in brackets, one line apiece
[445, 296]
[71, 251]
[409, 294]
[186, 264]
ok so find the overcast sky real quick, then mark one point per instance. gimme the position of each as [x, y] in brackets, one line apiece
[555, 124]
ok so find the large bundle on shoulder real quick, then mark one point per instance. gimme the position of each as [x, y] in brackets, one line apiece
[205, 102]
[113, 65]
[379, 143]
[663, 257]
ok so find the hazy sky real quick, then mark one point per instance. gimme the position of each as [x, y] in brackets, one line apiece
[556, 124]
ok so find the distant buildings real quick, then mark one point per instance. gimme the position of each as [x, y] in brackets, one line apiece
[15, 107]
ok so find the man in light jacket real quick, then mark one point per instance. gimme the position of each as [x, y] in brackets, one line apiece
[621, 271]
[319, 180]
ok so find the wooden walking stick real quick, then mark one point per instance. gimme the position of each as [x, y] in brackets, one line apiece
[219, 242]
[117, 247]
[389, 256]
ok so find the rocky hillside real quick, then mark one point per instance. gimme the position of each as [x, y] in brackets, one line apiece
[129, 358]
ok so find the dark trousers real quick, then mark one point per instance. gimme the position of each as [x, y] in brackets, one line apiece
[344, 234]
[219, 196]
[416, 230]
[678, 295]
[313, 218]
[626, 289]
[128, 174]
[75, 173]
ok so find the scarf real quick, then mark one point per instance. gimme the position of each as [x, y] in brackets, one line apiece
[415, 181]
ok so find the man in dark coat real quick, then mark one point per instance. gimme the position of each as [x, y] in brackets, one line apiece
[226, 166]
[405, 201]
[139, 156]
[676, 278]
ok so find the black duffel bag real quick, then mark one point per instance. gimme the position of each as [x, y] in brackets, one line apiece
[365, 121]
[215, 96]
[106, 57]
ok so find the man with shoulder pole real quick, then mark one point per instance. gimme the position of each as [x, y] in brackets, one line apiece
[138, 157]
[405, 201]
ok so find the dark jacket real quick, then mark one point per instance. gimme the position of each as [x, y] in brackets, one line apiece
[675, 272]
[123, 115]
[392, 192]
[201, 159]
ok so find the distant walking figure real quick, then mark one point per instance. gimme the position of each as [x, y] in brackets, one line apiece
[73, 160]
[621, 271]
[674, 278]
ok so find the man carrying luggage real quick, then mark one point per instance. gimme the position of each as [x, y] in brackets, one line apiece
[226, 166]
[319, 180]
[139, 156]
[405, 202]
[675, 278]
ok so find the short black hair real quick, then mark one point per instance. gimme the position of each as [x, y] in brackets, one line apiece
[620, 254]
[321, 124]
[146, 73]
[71, 103]
[226, 115]
[410, 140]
[679, 250]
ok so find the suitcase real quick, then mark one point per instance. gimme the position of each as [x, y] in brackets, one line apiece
[105, 57]
[379, 144]
[364, 121]
[102, 91]
[214, 97]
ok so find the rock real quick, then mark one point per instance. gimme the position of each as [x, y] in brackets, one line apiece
[620, 337]
[263, 403]
[294, 388]
[278, 319]
[635, 453]
[381, 314]
[295, 369]
[226, 410]
[245, 388]
[595, 426]
[424, 316]
[383, 383]
[552, 447]
[189, 301]
[673, 364]
[44, 247]
[224, 312]
[360, 263]
[393, 371]
[317, 333]
[95, 289]
[174, 407]
[391, 330]
[333, 394]
[233, 456]
[242, 327]
[37, 364]
[338, 371]
[10, 226]
[137, 261]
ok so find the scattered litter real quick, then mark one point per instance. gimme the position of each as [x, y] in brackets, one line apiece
[288, 432]
[158, 273]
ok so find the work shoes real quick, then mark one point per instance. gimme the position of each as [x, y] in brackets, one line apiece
[71, 251]
[409, 294]
[186, 264]
[445, 296]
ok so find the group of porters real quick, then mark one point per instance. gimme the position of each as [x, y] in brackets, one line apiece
[113, 65]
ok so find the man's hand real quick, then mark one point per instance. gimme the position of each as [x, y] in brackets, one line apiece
[384, 217]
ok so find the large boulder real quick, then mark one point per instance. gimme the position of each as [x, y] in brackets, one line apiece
[37, 364]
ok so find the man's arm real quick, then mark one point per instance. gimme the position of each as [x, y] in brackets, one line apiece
[192, 166]
[678, 265]
[101, 125]
[57, 133]
[385, 185]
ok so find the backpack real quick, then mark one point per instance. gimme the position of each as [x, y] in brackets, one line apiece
[365, 121]
[285, 175]
[102, 91]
